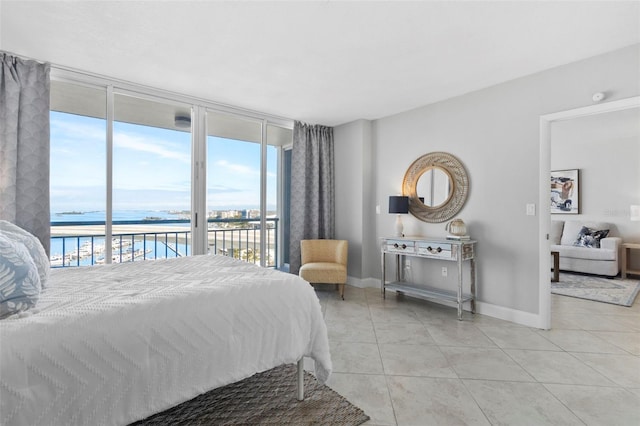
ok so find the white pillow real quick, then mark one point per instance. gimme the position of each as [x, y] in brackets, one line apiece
[40, 258]
[19, 281]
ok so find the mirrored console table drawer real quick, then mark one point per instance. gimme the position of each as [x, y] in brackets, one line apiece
[433, 249]
[400, 246]
[442, 249]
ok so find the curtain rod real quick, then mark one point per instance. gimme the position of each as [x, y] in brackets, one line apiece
[125, 84]
[26, 58]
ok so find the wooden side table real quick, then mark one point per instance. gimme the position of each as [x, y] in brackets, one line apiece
[556, 266]
[626, 251]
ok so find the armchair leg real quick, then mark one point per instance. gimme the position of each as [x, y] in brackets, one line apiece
[342, 291]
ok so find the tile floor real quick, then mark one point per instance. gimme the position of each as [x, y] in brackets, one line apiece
[406, 361]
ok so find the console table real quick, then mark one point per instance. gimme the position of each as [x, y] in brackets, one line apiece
[430, 248]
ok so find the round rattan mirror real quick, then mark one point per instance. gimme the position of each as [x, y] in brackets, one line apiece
[454, 184]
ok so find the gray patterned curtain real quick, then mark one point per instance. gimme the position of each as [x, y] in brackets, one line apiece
[24, 145]
[312, 187]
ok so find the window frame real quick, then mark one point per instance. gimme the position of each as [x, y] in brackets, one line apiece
[199, 108]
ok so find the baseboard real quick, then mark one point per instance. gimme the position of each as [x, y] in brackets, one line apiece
[363, 282]
[519, 317]
[500, 312]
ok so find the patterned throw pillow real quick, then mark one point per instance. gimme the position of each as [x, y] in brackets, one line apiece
[590, 238]
[19, 280]
[39, 256]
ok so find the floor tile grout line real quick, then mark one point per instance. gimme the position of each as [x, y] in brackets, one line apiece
[562, 403]
[521, 366]
[589, 332]
[476, 401]
[593, 369]
[386, 378]
[604, 341]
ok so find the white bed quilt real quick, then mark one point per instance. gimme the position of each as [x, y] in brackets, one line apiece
[117, 343]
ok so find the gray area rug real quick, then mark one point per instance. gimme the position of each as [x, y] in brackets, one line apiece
[616, 291]
[267, 398]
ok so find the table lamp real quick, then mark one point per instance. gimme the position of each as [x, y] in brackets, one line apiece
[399, 205]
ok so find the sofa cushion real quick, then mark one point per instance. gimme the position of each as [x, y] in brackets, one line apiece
[573, 227]
[590, 238]
[556, 231]
[576, 252]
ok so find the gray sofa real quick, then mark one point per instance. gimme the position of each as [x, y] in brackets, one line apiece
[579, 257]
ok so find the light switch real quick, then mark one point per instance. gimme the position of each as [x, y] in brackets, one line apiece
[377, 209]
[531, 209]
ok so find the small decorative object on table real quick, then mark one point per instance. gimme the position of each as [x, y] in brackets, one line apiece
[457, 230]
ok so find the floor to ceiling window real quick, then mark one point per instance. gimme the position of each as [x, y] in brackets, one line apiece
[77, 173]
[125, 173]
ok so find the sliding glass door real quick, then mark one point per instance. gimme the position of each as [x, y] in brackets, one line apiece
[151, 195]
[244, 190]
[120, 183]
[234, 208]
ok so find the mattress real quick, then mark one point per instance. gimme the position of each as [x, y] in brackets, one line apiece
[112, 344]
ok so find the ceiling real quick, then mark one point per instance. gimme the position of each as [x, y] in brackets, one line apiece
[327, 62]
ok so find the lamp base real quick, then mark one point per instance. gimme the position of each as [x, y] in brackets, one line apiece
[399, 226]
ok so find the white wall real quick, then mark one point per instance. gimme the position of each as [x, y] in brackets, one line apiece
[606, 150]
[353, 166]
[495, 134]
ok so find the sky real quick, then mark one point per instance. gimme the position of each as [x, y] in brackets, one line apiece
[151, 168]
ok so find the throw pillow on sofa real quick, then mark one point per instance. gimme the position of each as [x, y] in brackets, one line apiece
[590, 238]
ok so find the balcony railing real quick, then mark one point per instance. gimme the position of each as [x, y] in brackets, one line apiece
[83, 243]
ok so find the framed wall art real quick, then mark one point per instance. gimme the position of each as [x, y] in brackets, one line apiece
[565, 191]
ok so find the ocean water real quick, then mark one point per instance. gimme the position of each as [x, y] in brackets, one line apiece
[159, 248]
[94, 216]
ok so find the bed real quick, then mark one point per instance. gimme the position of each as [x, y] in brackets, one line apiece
[113, 344]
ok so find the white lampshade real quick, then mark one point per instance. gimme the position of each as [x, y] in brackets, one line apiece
[635, 213]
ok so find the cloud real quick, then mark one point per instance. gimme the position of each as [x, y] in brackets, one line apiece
[221, 189]
[149, 145]
[126, 185]
[237, 168]
[73, 131]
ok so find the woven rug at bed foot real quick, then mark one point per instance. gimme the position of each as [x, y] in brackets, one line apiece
[267, 398]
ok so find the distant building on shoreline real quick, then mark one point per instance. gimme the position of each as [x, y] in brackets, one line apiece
[234, 214]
